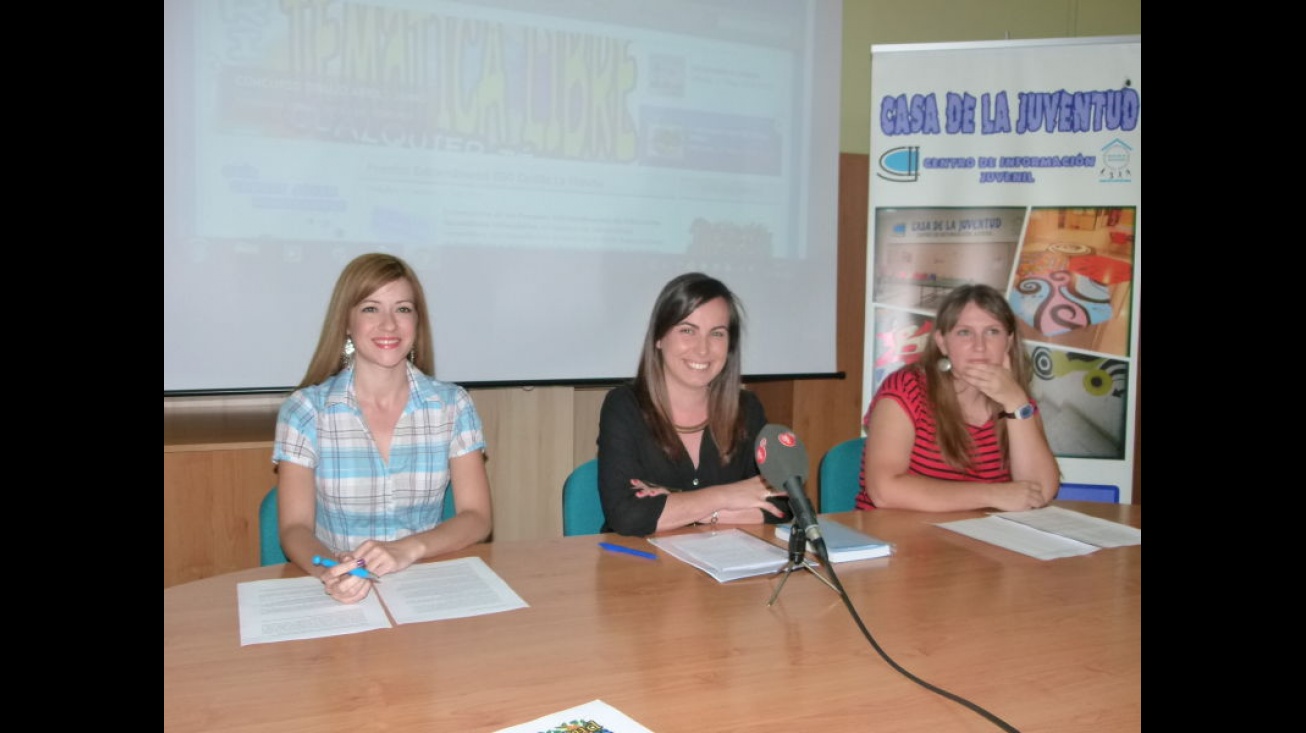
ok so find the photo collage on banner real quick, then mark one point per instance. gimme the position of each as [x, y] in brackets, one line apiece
[1016, 164]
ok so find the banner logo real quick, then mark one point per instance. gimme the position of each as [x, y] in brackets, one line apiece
[902, 165]
[1115, 162]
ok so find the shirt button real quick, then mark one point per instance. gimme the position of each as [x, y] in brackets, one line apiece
[696, 481]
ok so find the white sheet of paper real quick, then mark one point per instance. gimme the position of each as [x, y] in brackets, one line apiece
[581, 718]
[1018, 537]
[1078, 526]
[447, 589]
[284, 609]
[726, 554]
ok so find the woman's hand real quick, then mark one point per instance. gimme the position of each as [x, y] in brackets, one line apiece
[344, 586]
[995, 382]
[1018, 496]
[644, 490]
[733, 503]
[751, 493]
[382, 558]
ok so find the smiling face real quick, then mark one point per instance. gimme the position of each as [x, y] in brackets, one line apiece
[694, 351]
[976, 337]
[384, 325]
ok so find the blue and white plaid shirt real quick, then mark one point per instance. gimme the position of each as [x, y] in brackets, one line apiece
[359, 495]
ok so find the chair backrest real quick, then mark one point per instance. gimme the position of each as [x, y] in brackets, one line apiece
[269, 531]
[582, 513]
[269, 526]
[1090, 492]
[840, 467]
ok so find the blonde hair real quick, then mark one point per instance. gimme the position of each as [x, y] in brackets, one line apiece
[363, 276]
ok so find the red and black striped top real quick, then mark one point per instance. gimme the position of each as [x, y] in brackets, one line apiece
[906, 386]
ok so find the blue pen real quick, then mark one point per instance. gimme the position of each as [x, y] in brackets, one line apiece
[619, 548]
[327, 562]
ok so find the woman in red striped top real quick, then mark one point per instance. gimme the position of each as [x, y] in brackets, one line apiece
[958, 430]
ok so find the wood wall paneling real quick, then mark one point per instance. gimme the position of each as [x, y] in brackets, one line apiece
[530, 436]
[210, 510]
[589, 402]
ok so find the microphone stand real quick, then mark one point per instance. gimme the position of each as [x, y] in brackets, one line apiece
[798, 559]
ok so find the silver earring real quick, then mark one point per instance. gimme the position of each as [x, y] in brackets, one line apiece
[347, 354]
[412, 356]
[945, 364]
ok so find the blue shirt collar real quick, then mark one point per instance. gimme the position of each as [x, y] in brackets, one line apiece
[340, 388]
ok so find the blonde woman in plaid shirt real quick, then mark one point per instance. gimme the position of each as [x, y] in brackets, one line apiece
[369, 444]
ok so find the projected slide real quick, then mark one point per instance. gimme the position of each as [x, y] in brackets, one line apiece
[406, 123]
[540, 162]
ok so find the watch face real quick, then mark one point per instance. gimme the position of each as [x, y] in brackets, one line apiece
[1024, 412]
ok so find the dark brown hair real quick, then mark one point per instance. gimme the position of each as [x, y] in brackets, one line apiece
[679, 298]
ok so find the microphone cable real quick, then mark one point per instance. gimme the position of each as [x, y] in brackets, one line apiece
[819, 545]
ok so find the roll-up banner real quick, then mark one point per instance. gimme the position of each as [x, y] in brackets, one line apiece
[1016, 164]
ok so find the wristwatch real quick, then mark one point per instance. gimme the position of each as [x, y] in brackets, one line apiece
[1024, 412]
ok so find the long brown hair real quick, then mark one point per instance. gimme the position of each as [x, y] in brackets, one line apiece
[950, 425]
[363, 276]
[679, 298]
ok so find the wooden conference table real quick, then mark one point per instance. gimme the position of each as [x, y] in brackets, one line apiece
[1043, 645]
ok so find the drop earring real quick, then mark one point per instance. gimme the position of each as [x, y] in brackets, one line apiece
[945, 364]
[347, 353]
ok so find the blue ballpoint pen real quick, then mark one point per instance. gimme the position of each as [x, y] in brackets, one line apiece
[327, 562]
[627, 550]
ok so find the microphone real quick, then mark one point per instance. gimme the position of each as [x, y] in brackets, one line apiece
[782, 459]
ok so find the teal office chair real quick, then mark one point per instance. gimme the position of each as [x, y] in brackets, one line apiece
[1090, 492]
[269, 529]
[582, 513]
[840, 468]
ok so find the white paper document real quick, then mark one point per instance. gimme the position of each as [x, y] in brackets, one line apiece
[285, 609]
[1019, 537]
[1078, 526]
[448, 589]
[1048, 533]
[725, 555]
[594, 715]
